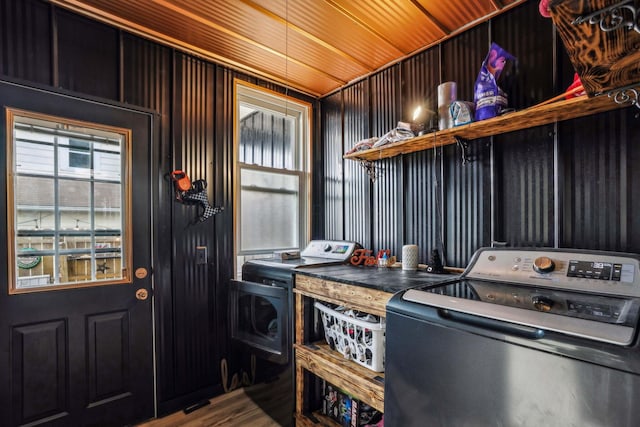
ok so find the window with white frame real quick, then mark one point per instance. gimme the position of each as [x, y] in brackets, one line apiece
[272, 195]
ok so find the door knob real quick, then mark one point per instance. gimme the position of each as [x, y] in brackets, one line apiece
[142, 294]
[141, 273]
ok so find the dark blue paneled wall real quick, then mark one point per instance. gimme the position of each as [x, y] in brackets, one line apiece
[568, 185]
[193, 102]
[573, 184]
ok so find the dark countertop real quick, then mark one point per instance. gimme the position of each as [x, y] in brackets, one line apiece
[389, 280]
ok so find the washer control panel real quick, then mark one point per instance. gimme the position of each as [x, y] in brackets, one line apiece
[339, 250]
[590, 271]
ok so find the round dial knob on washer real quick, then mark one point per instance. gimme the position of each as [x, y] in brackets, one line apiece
[326, 247]
[543, 264]
[542, 303]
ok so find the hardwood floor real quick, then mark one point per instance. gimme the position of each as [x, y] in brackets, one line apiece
[232, 409]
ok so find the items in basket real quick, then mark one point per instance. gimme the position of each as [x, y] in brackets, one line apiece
[356, 335]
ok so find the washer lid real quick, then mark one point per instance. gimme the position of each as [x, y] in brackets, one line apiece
[596, 317]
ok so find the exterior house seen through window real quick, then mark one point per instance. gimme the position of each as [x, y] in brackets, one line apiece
[68, 203]
[272, 143]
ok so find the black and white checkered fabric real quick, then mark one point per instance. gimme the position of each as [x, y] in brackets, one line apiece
[200, 197]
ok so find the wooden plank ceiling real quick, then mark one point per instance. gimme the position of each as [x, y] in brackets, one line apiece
[314, 46]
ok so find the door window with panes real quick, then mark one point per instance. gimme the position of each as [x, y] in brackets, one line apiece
[67, 197]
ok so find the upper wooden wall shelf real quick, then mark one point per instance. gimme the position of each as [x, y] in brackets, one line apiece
[539, 115]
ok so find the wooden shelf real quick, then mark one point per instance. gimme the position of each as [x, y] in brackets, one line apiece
[360, 382]
[524, 119]
[364, 299]
[321, 420]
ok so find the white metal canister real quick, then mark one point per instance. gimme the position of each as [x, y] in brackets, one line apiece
[447, 93]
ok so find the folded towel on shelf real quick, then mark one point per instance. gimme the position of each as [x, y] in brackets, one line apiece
[399, 133]
[365, 144]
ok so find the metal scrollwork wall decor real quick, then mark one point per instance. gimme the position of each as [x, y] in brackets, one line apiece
[623, 14]
[625, 95]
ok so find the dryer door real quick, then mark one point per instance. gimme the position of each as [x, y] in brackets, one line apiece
[259, 319]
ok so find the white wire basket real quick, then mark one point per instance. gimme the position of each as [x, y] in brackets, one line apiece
[357, 339]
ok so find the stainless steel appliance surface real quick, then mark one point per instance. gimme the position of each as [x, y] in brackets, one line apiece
[524, 337]
[261, 313]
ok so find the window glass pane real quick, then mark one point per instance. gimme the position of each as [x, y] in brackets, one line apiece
[267, 139]
[107, 201]
[109, 244]
[74, 200]
[108, 266]
[70, 156]
[79, 154]
[34, 203]
[34, 270]
[35, 240]
[270, 216]
[74, 243]
[34, 158]
[67, 203]
[107, 162]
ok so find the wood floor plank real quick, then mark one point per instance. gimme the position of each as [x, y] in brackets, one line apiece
[234, 409]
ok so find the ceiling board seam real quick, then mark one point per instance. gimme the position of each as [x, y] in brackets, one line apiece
[430, 45]
[165, 40]
[233, 34]
[363, 25]
[305, 34]
[431, 18]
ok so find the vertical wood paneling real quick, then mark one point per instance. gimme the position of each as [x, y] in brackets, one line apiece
[147, 81]
[146, 74]
[600, 182]
[466, 218]
[357, 185]
[423, 202]
[423, 186]
[25, 40]
[193, 130]
[528, 36]
[193, 152]
[194, 101]
[524, 191]
[317, 213]
[462, 57]
[467, 201]
[507, 191]
[88, 56]
[223, 186]
[524, 161]
[333, 148]
[387, 197]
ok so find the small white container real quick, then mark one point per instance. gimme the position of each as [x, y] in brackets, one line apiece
[410, 257]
